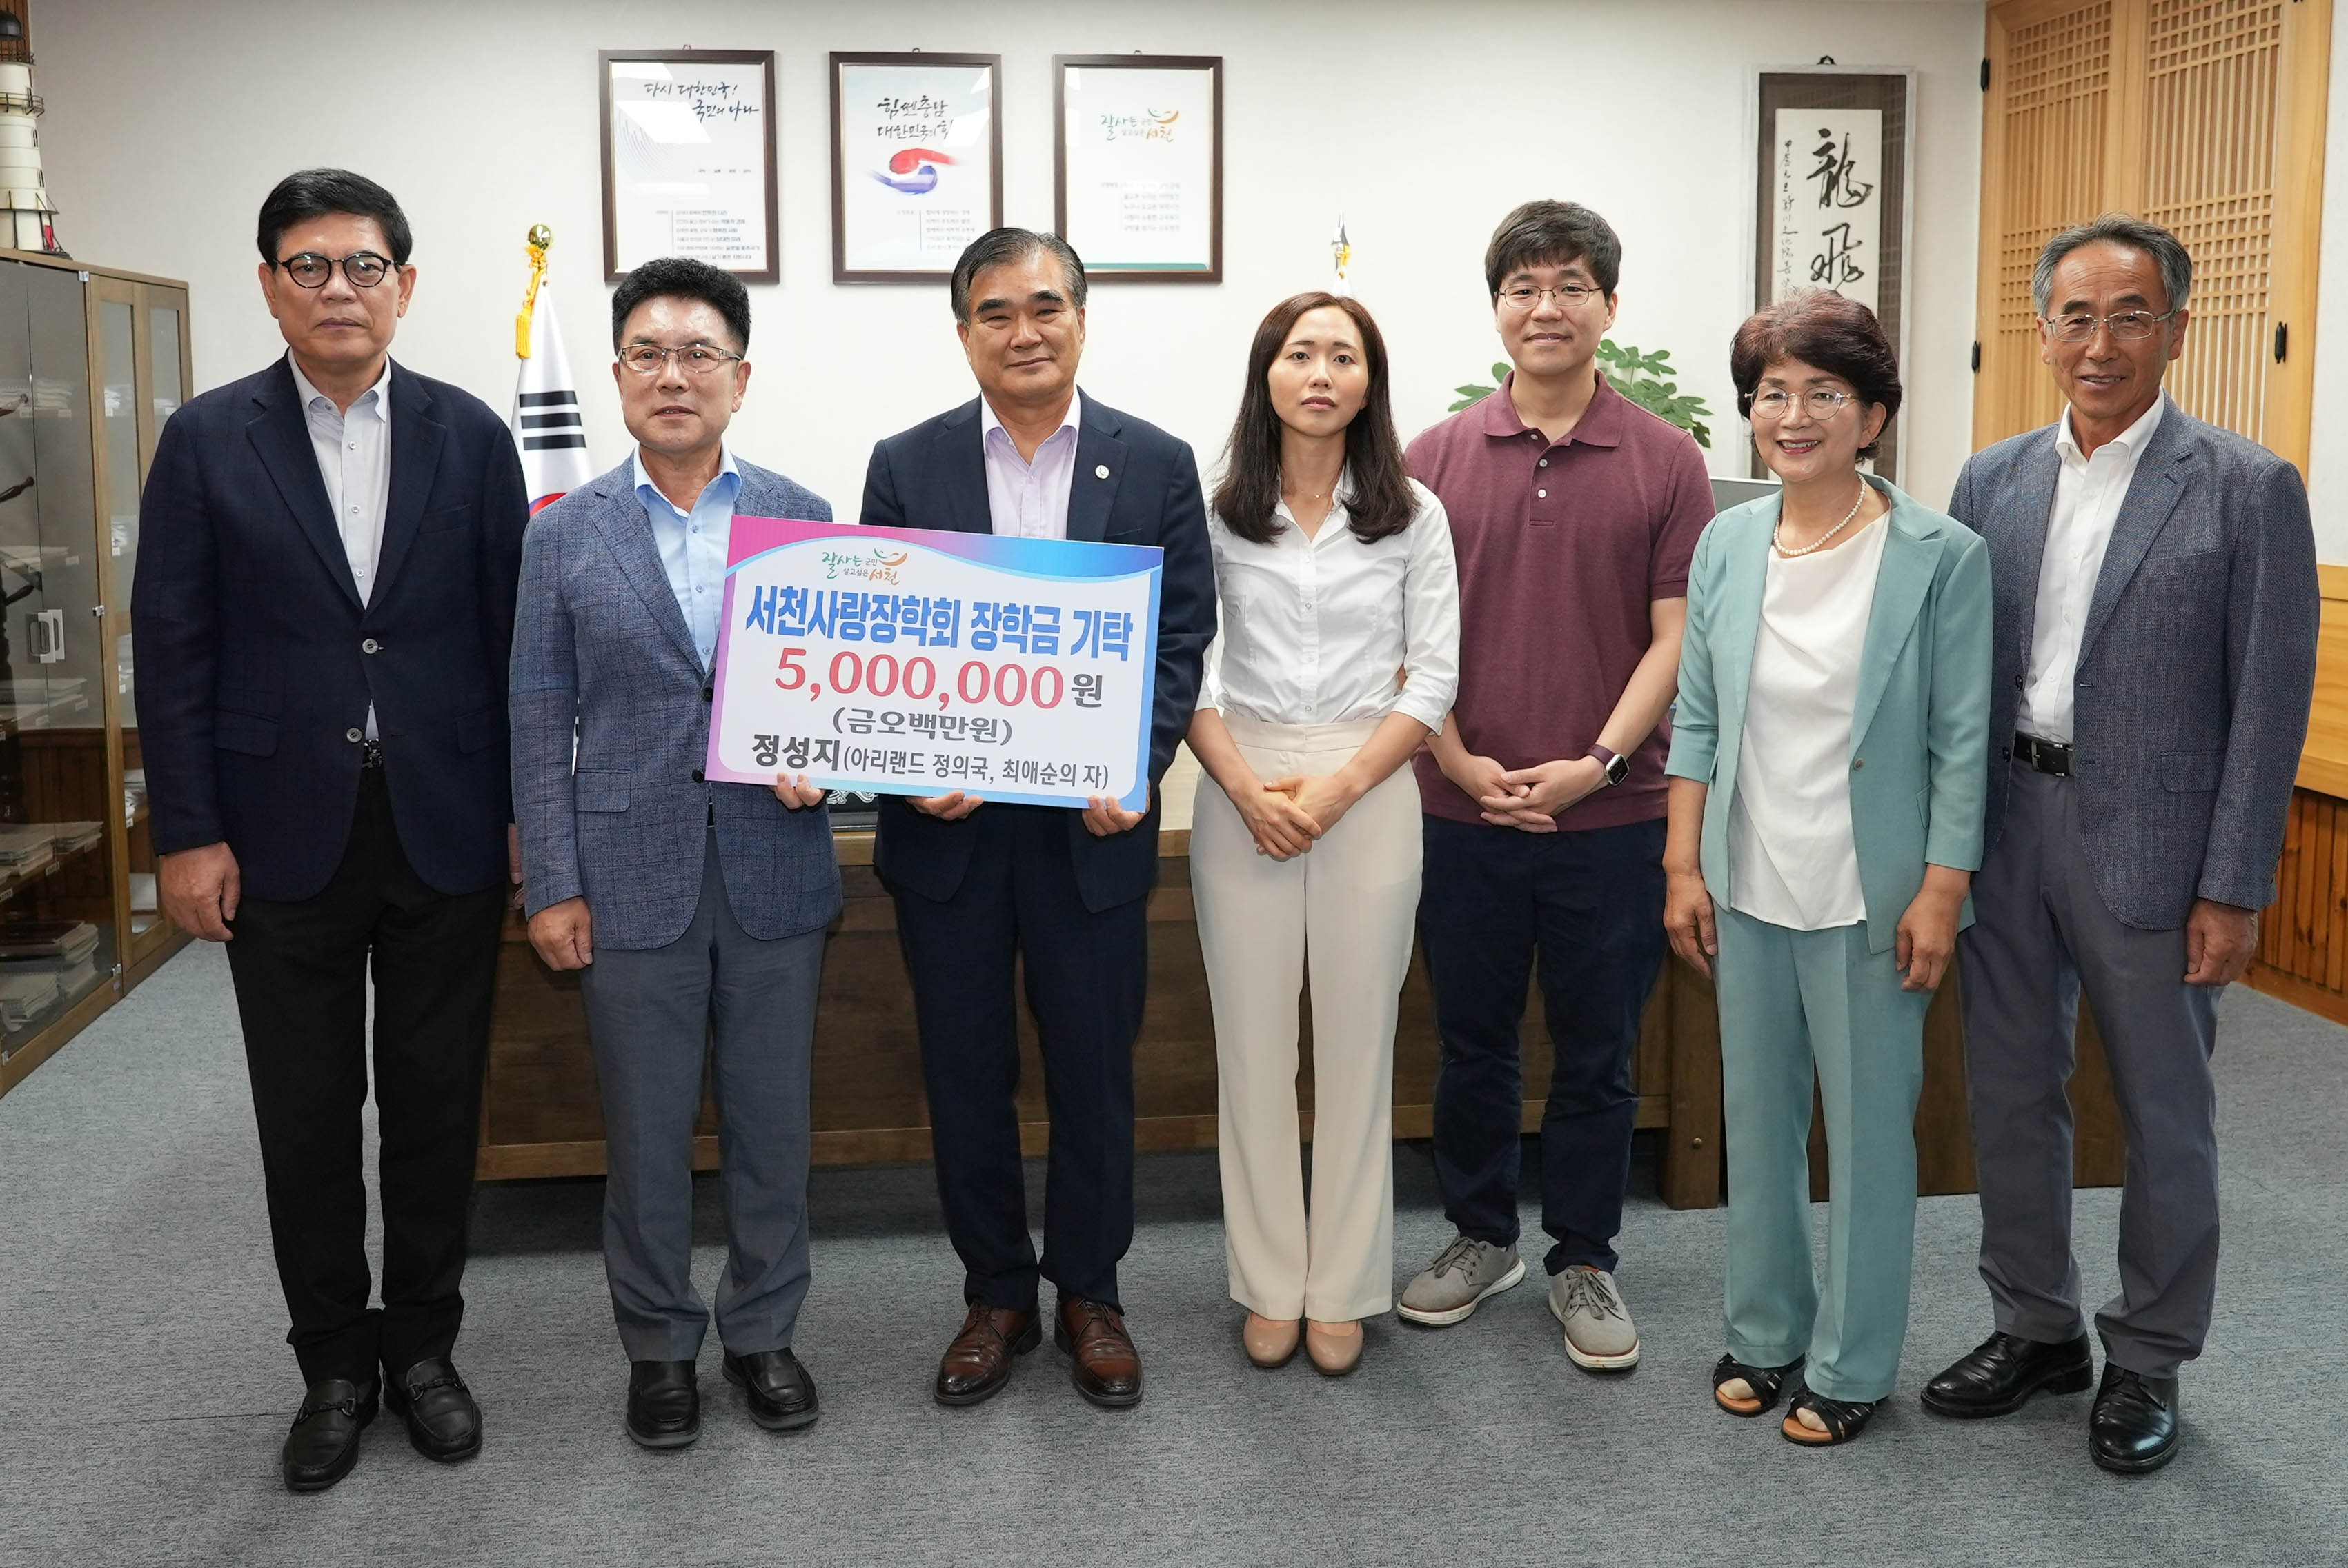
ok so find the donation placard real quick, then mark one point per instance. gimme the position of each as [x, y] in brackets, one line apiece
[916, 662]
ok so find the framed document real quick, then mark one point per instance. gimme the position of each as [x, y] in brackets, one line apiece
[1836, 161]
[1137, 163]
[916, 163]
[909, 662]
[689, 159]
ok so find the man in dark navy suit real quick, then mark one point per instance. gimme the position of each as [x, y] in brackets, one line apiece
[1060, 890]
[323, 609]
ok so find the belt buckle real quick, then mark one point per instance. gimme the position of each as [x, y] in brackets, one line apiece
[2046, 756]
[371, 754]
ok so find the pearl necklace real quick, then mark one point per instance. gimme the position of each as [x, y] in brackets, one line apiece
[1777, 533]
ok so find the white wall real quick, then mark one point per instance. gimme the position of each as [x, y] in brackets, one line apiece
[1424, 123]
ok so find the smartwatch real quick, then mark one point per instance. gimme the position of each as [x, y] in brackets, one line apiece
[1617, 765]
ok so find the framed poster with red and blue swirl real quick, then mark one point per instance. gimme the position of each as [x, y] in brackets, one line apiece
[916, 163]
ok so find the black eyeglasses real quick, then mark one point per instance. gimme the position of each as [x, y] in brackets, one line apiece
[363, 268]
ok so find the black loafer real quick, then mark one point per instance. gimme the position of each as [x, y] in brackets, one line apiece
[324, 1442]
[2134, 1427]
[2000, 1374]
[443, 1421]
[781, 1394]
[664, 1404]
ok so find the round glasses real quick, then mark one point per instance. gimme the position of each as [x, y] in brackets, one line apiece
[2129, 326]
[363, 269]
[693, 359]
[1822, 404]
[1566, 294]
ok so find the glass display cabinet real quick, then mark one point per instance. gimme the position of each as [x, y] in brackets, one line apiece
[92, 362]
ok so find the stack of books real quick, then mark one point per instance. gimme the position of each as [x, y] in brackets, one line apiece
[26, 997]
[45, 962]
[25, 849]
[68, 836]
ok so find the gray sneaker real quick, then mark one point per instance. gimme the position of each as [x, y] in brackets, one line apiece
[1462, 1274]
[1599, 1333]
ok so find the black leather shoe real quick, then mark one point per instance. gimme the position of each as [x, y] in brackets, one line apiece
[2000, 1374]
[664, 1404]
[443, 1421]
[324, 1442]
[2134, 1427]
[781, 1394]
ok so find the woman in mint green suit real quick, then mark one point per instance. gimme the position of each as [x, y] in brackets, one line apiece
[1830, 758]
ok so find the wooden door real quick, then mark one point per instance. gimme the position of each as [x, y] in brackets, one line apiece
[2203, 116]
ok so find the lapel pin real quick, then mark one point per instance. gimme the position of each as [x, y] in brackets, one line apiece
[1100, 471]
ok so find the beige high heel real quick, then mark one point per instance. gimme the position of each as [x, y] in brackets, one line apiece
[1268, 1342]
[1333, 1349]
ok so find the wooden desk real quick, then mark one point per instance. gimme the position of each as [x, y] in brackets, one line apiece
[540, 1116]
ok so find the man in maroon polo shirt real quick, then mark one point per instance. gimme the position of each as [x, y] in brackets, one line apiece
[1574, 514]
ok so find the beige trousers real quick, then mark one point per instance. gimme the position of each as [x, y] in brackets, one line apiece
[1346, 906]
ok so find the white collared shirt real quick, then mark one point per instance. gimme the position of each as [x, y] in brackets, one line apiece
[354, 452]
[1330, 630]
[2088, 493]
[1029, 499]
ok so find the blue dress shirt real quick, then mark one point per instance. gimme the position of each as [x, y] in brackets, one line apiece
[693, 545]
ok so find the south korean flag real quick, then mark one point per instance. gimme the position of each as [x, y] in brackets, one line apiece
[546, 424]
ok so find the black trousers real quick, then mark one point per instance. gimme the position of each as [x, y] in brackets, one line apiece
[1590, 904]
[1087, 975]
[300, 972]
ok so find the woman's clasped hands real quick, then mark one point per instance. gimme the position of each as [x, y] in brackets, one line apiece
[1289, 812]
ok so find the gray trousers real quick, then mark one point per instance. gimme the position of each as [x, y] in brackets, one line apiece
[2042, 931]
[747, 1009]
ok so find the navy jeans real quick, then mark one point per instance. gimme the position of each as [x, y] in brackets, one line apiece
[1590, 903]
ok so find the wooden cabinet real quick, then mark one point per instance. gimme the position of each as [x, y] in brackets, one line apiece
[540, 1116]
[92, 362]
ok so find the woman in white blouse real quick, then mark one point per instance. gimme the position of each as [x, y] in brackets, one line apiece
[1338, 654]
[1829, 764]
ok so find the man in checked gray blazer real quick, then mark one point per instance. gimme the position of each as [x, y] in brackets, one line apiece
[695, 911]
[2156, 622]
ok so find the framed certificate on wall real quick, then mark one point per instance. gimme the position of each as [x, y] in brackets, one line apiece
[1137, 164]
[916, 163]
[689, 159]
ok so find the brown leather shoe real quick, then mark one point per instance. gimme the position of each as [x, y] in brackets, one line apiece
[1108, 1369]
[978, 1362]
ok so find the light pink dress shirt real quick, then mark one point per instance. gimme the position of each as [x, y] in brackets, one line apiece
[1030, 500]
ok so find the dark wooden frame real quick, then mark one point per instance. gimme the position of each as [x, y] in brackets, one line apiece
[1060, 65]
[1846, 87]
[773, 271]
[992, 62]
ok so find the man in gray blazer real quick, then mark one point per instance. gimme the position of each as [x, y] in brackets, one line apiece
[2156, 610]
[695, 911]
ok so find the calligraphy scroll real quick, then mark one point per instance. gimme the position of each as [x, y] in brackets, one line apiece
[1828, 202]
[1831, 198]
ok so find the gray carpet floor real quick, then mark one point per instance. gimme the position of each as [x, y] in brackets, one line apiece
[144, 1383]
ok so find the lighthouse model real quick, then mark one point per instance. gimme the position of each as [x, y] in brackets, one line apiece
[27, 220]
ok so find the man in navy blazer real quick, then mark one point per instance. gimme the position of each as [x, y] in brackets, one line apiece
[1061, 890]
[324, 606]
[693, 910]
[2156, 609]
